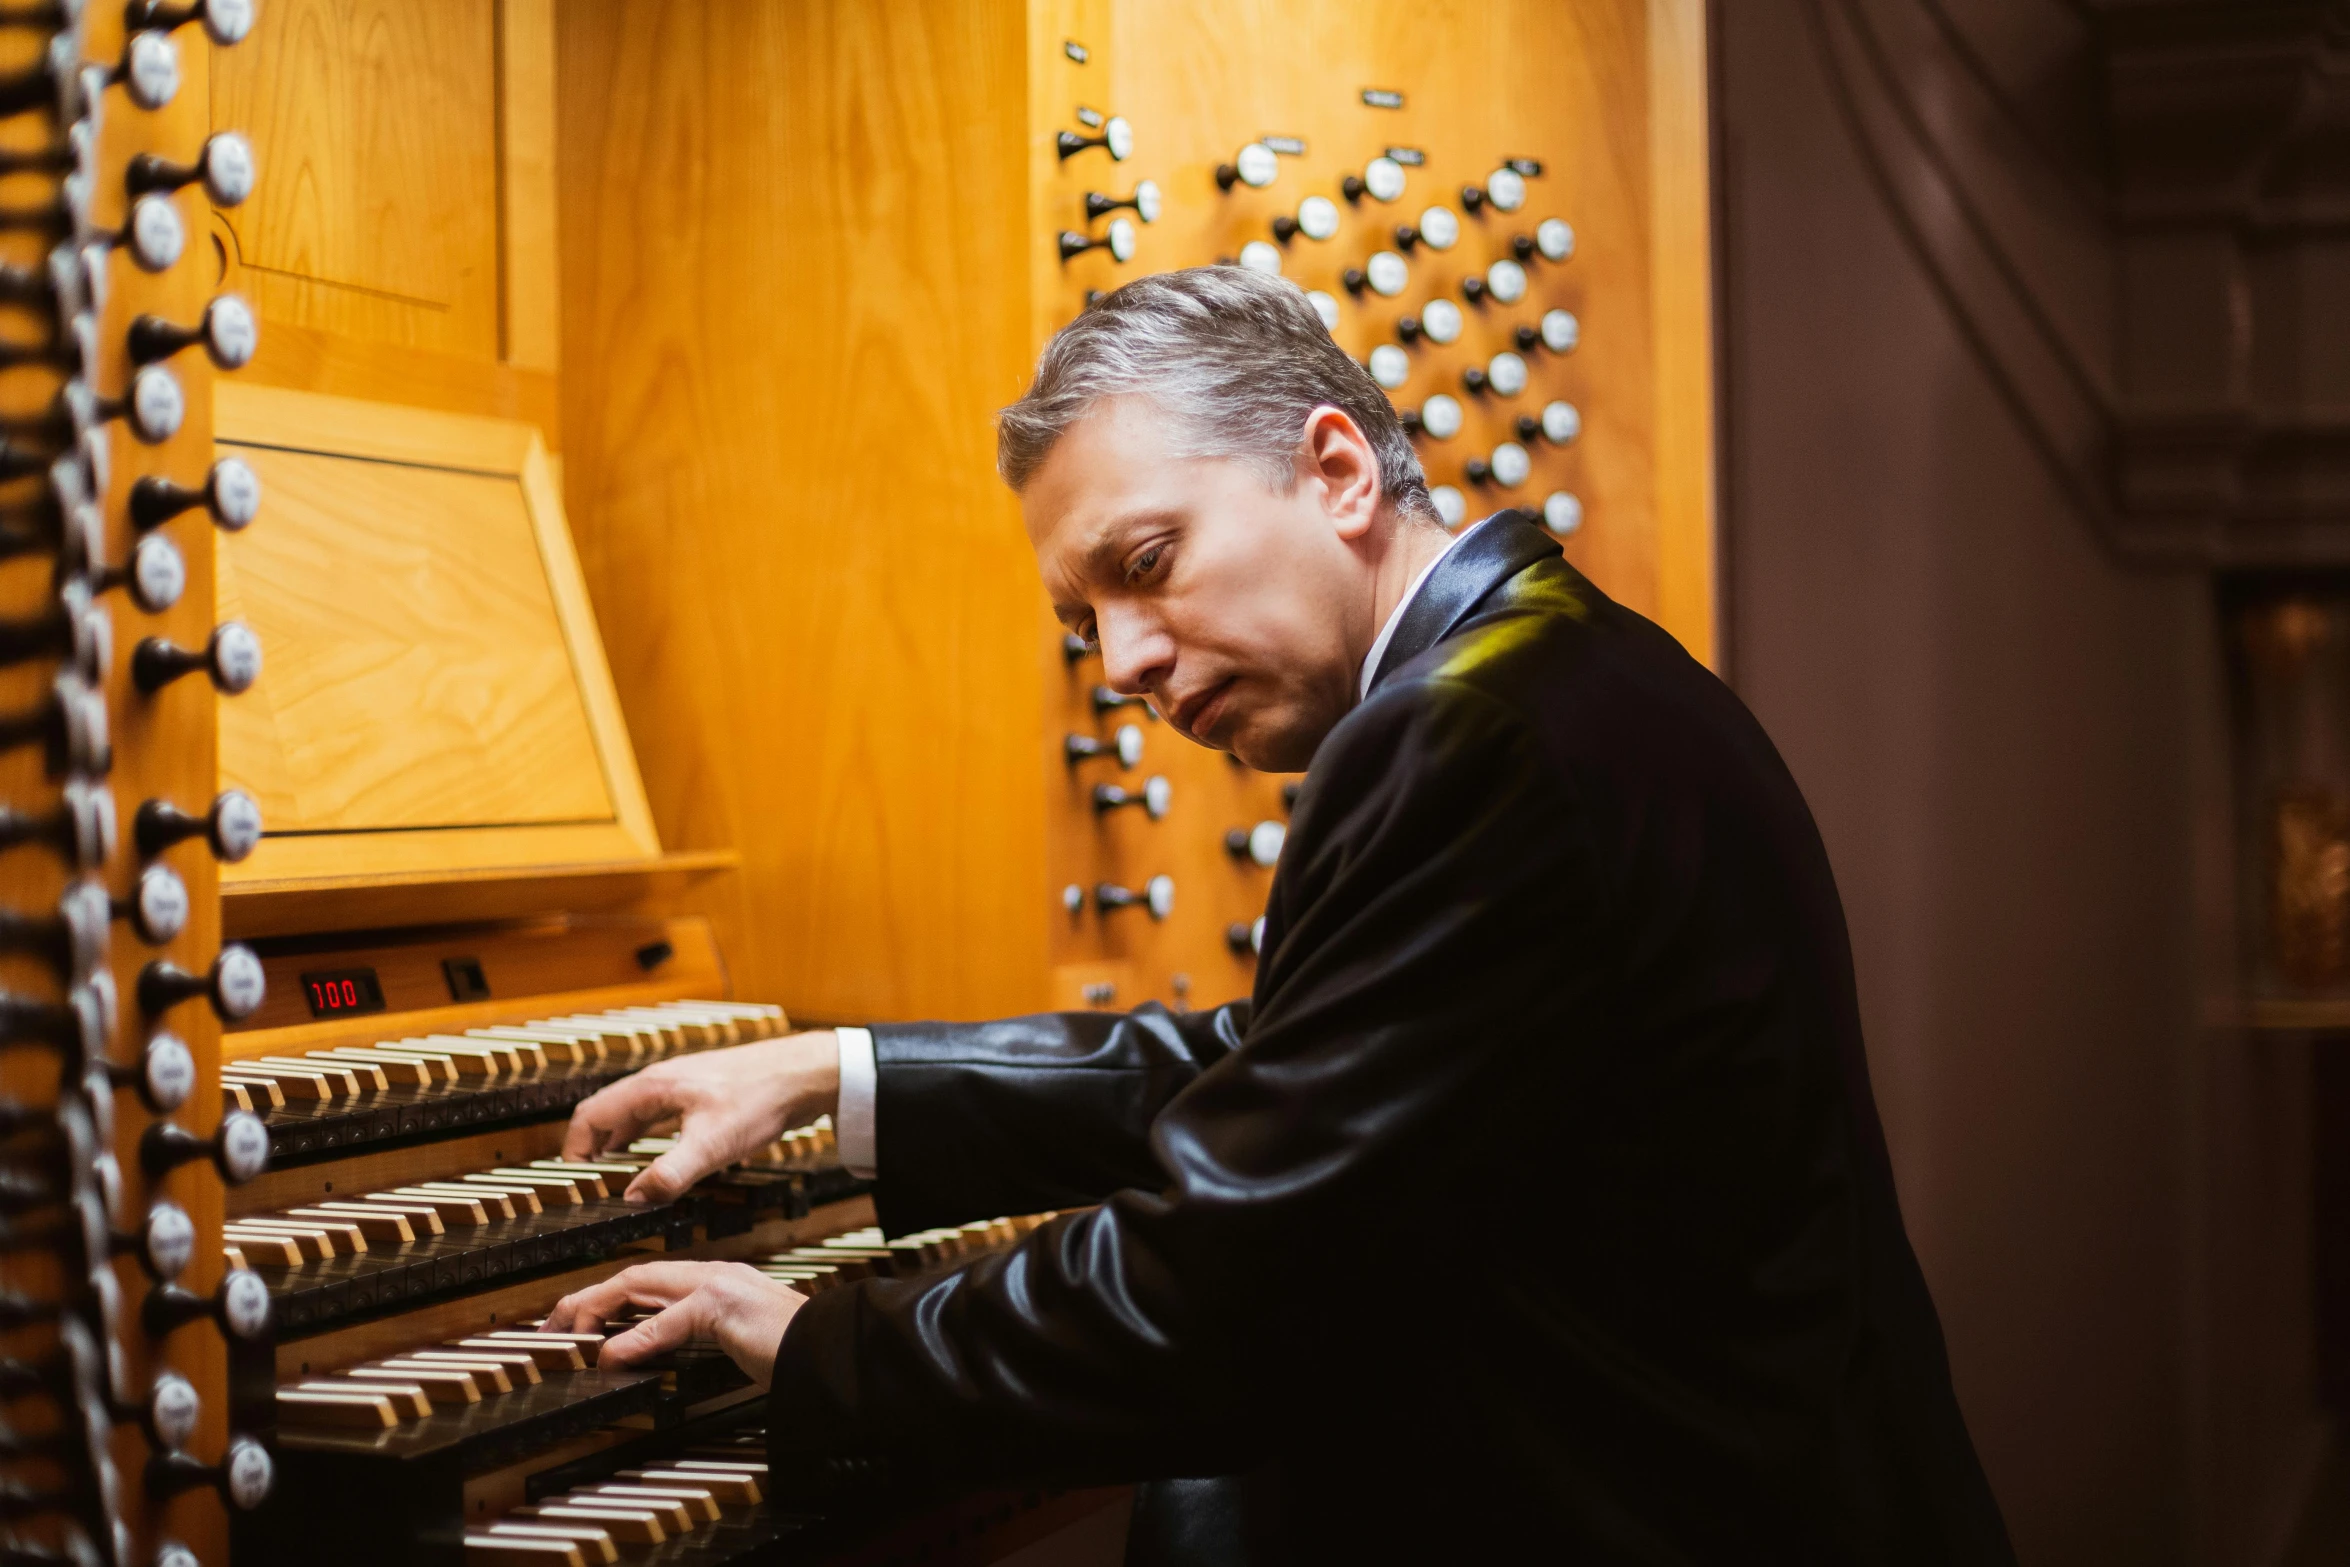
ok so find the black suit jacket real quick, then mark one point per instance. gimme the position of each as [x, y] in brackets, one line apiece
[1537, 1193]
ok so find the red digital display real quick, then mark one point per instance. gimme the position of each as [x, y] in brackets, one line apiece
[343, 992]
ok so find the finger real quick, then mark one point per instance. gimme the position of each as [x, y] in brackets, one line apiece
[647, 1284]
[675, 1325]
[617, 1114]
[695, 1155]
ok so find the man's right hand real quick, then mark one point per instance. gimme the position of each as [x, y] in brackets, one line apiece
[730, 1102]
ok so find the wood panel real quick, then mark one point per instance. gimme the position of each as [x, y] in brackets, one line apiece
[438, 694]
[793, 239]
[375, 122]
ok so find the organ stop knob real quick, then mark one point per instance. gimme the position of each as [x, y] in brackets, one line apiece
[1247, 940]
[1438, 229]
[1126, 746]
[1508, 466]
[232, 826]
[1118, 240]
[1144, 201]
[1258, 256]
[231, 656]
[1562, 512]
[1259, 845]
[1155, 797]
[1505, 187]
[243, 1476]
[1439, 321]
[1452, 507]
[82, 827]
[235, 984]
[1157, 897]
[1317, 219]
[164, 1075]
[1326, 306]
[231, 493]
[228, 332]
[226, 22]
[1390, 366]
[1504, 375]
[239, 1150]
[1439, 418]
[225, 167]
[1106, 700]
[240, 1306]
[1381, 180]
[1255, 166]
[1117, 139]
[1384, 274]
[1559, 333]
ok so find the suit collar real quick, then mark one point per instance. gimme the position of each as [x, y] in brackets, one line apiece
[1495, 551]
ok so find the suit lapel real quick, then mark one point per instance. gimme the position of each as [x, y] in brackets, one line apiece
[1502, 546]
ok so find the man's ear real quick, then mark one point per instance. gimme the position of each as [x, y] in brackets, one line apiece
[1339, 458]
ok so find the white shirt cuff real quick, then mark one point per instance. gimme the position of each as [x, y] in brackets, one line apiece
[853, 1126]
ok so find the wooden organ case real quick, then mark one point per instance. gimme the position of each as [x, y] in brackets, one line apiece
[650, 647]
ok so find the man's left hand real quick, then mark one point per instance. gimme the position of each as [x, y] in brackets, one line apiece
[737, 1305]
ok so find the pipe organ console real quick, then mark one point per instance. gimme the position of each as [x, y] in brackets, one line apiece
[436, 682]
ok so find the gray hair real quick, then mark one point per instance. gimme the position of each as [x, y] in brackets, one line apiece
[1236, 358]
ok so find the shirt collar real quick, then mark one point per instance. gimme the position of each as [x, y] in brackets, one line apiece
[1395, 616]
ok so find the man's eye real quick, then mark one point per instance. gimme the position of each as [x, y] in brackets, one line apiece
[1146, 563]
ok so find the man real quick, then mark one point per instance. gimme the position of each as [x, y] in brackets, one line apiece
[1537, 1194]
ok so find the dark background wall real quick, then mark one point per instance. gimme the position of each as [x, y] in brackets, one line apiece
[2016, 747]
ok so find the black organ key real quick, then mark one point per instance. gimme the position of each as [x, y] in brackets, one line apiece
[231, 657]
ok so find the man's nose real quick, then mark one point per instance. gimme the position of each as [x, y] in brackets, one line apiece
[1135, 655]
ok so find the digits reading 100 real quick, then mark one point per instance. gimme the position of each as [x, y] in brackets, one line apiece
[342, 992]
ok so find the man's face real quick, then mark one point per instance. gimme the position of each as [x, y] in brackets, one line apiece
[1239, 612]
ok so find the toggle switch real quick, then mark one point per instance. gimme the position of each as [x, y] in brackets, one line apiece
[239, 1150]
[1157, 897]
[1144, 202]
[1125, 745]
[1117, 139]
[227, 331]
[81, 828]
[1155, 796]
[231, 826]
[231, 493]
[1255, 166]
[1381, 180]
[1118, 240]
[231, 657]
[225, 167]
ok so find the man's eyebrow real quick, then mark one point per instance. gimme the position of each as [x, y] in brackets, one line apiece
[1107, 544]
